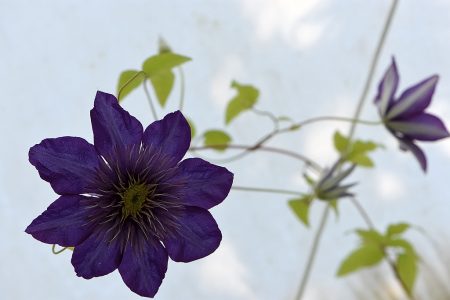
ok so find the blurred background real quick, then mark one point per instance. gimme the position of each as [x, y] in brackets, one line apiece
[307, 57]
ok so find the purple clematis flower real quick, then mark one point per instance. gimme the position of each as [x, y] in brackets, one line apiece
[405, 116]
[127, 202]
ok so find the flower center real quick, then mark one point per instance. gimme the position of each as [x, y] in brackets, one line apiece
[134, 198]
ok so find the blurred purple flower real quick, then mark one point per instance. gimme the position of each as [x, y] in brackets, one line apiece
[405, 116]
[127, 202]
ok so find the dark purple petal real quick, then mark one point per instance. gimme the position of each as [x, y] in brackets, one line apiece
[424, 127]
[414, 100]
[143, 269]
[197, 236]
[67, 163]
[408, 145]
[172, 135]
[63, 223]
[206, 185]
[387, 88]
[113, 126]
[97, 256]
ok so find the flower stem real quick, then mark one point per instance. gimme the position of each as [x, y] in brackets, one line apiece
[373, 65]
[180, 71]
[312, 253]
[249, 148]
[332, 118]
[265, 190]
[359, 107]
[150, 102]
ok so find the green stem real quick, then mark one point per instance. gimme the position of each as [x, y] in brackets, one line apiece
[265, 190]
[180, 71]
[312, 253]
[59, 251]
[248, 148]
[373, 65]
[268, 114]
[150, 101]
[331, 118]
[359, 107]
[129, 81]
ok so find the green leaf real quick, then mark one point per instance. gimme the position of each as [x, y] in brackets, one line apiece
[403, 244]
[365, 256]
[370, 236]
[407, 270]
[397, 229]
[300, 206]
[192, 126]
[284, 119]
[246, 97]
[163, 47]
[163, 84]
[217, 137]
[361, 159]
[163, 62]
[124, 79]
[340, 142]
[71, 248]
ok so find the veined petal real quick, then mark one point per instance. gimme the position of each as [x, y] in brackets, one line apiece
[97, 256]
[197, 236]
[424, 127]
[113, 126]
[143, 269]
[172, 135]
[67, 163]
[206, 185]
[387, 88]
[408, 145]
[414, 100]
[63, 223]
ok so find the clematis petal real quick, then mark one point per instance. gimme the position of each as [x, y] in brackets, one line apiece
[414, 100]
[172, 135]
[63, 223]
[424, 127]
[113, 126]
[387, 88]
[143, 269]
[206, 185]
[197, 236]
[97, 256]
[408, 145]
[67, 163]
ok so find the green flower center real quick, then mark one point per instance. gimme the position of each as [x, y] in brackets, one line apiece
[134, 198]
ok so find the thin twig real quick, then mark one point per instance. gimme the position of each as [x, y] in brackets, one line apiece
[265, 190]
[313, 253]
[150, 101]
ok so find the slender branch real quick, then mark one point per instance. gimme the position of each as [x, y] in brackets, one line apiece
[150, 101]
[292, 154]
[268, 114]
[129, 81]
[312, 253]
[373, 65]
[265, 190]
[180, 71]
[359, 107]
[330, 118]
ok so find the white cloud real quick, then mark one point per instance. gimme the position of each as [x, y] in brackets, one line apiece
[224, 274]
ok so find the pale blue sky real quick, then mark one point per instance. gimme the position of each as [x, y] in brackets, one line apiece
[308, 58]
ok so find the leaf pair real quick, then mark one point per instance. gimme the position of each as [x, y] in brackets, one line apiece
[354, 151]
[158, 69]
[375, 247]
